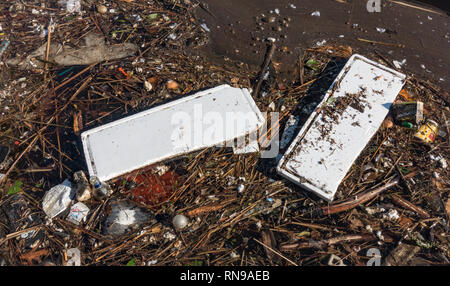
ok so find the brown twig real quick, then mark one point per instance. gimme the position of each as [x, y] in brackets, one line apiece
[268, 58]
[326, 242]
[358, 199]
[407, 205]
[206, 209]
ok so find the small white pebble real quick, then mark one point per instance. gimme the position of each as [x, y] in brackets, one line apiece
[180, 221]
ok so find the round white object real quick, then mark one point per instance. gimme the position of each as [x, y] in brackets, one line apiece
[102, 9]
[180, 221]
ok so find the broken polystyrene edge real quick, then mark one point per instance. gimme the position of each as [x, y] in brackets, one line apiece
[296, 178]
[224, 99]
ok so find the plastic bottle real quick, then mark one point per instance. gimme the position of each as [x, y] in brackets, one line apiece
[101, 189]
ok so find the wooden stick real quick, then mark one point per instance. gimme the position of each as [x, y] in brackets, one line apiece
[381, 43]
[276, 252]
[415, 7]
[327, 242]
[359, 199]
[268, 58]
[407, 205]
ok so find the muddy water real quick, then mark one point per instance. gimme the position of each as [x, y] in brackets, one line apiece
[237, 30]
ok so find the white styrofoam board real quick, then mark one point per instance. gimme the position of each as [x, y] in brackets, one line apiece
[318, 165]
[136, 141]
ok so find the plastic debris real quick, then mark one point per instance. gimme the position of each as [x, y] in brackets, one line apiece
[78, 213]
[325, 148]
[101, 189]
[411, 111]
[58, 199]
[180, 221]
[73, 257]
[171, 129]
[124, 216]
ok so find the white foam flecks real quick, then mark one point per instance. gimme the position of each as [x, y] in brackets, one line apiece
[204, 27]
[399, 64]
[321, 43]
[392, 214]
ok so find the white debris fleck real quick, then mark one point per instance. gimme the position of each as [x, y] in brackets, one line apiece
[272, 106]
[172, 36]
[234, 254]
[380, 235]
[321, 43]
[381, 30]
[204, 27]
[148, 86]
[152, 262]
[423, 66]
[292, 6]
[399, 64]
[315, 13]
[369, 228]
[341, 36]
[443, 163]
[241, 188]
[429, 18]
[392, 214]
[169, 236]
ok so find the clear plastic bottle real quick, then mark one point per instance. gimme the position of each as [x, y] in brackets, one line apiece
[101, 189]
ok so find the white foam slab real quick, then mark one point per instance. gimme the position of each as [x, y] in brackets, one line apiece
[318, 162]
[205, 119]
